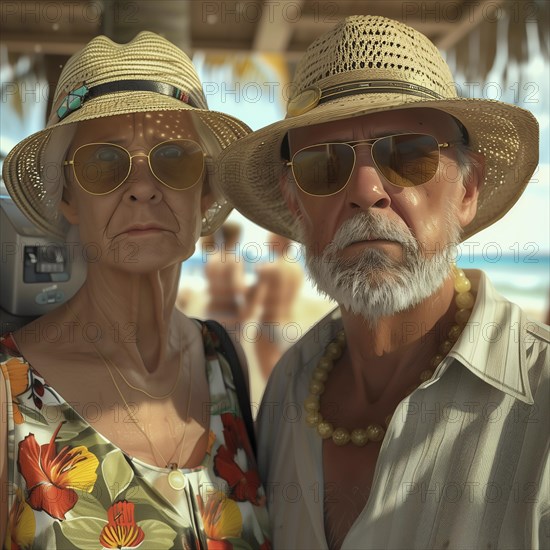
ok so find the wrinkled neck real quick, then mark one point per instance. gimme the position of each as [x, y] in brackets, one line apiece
[129, 314]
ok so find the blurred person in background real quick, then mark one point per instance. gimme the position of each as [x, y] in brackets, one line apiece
[224, 272]
[272, 298]
[416, 414]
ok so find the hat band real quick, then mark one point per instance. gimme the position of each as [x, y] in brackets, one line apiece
[375, 87]
[311, 97]
[76, 98]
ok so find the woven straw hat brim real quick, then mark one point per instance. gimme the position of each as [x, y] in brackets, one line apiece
[507, 136]
[30, 166]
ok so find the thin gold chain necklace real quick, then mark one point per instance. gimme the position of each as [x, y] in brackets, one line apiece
[176, 479]
[119, 372]
[145, 392]
[464, 301]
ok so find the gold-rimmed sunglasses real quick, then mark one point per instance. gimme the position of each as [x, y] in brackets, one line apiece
[405, 160]
[100, 168]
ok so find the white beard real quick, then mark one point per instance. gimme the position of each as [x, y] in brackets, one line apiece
[373, 284]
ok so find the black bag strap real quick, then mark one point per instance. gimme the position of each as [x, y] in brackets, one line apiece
[228, 350]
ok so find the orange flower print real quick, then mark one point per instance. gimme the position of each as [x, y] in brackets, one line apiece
[211, 441]
[121, 530]
[21, 524]
[17, 372]
[221, 518]
[228, 462]
[51, 478]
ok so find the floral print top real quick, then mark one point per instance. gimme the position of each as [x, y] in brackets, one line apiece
[69, 487]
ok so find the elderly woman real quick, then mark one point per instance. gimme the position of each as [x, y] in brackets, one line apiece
[127, 429]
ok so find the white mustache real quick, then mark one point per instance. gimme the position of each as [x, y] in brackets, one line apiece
[369, 226]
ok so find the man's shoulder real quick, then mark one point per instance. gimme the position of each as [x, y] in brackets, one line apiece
[311, 344]
[538, 331]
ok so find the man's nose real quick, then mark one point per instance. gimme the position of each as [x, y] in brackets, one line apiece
[366, 187]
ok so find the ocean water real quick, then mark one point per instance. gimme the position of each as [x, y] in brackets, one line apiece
[522, 280]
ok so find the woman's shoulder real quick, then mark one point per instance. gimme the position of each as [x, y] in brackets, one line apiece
[12, 362]
[46, 329]
[8, 347]
[17, 347]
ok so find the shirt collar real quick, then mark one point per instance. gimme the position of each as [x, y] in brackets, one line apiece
[492, 345]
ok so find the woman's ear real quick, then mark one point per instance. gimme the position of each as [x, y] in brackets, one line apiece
[472, 184]
[208, 198]
[68, 207]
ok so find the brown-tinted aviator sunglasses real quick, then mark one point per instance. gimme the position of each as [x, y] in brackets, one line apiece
[405, 160]
[100, 168]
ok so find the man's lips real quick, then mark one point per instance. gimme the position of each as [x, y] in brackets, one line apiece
[371, 240]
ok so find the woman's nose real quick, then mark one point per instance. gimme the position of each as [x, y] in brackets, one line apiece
[142, 185]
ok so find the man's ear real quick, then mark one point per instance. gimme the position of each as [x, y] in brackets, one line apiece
[68, 208]
[289, 195]
[471, 186]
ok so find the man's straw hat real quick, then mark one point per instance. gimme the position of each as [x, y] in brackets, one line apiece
[368, 64]
[105, 79]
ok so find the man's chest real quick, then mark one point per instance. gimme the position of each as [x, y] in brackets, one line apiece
[348, 476]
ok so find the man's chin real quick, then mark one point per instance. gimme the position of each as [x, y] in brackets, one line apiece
[371, 269]
[375, 287]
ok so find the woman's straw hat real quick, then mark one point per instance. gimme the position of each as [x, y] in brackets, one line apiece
[364, 65]
[105, 79]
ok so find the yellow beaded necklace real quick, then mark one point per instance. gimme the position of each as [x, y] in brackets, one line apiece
[464, 301]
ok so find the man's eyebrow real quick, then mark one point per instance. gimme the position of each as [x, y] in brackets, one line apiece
[353, 139]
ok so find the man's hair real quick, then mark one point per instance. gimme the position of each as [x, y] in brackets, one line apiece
[466, 160]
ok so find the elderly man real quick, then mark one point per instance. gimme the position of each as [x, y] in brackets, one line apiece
[416, 414]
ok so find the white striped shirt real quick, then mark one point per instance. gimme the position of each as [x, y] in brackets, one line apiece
[465, 461]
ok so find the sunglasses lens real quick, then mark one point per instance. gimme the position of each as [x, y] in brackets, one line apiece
[407, 160]
[179, 163]
[323, 169]
[101, 167]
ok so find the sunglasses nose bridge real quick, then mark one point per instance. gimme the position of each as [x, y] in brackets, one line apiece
[365, 183]
[362, 157]
[365, 143]
[136, 166]
[140, 155]
[375, 158]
